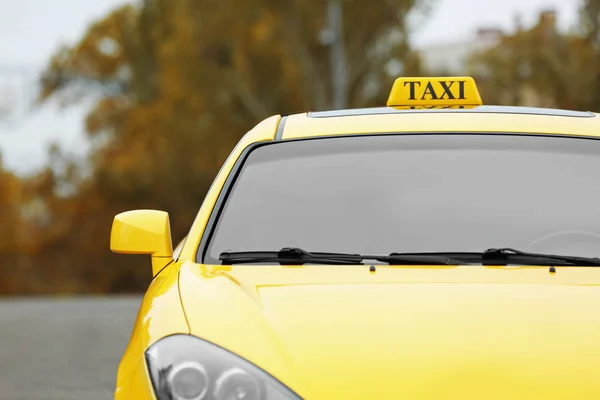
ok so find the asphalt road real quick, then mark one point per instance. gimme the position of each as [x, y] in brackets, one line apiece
[63, 349]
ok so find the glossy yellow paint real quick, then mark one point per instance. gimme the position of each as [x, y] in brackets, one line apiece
[303, 126]
[342, 332]
[429, 91]
[264, 131]
[466, 332]
[143, 232]
[160, 315]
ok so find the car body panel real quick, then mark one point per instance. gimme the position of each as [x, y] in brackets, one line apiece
[160, 315]
[264, 131]
[344, 332]
[303, 126]
[466, 332]
[211, 295]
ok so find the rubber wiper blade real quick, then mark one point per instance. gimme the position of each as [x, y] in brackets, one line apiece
[297, 256]
[422, 259]
[500, 256]
[506, 255]
[509, 256]
[289, 256]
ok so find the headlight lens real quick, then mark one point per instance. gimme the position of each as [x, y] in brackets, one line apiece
[184, 367]
[188, 381]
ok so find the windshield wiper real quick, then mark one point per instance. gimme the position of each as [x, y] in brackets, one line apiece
[501, 256]
[508, 256]
[511, 256]
[297, 256]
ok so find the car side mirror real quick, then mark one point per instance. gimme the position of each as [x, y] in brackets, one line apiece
[143, 232]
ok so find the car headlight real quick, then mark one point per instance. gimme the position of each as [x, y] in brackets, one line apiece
[184, 367]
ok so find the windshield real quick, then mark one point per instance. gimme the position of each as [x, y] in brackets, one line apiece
[416, 193]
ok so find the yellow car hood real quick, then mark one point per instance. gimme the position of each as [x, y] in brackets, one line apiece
[468, 332]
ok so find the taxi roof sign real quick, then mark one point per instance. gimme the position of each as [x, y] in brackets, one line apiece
[427, 92]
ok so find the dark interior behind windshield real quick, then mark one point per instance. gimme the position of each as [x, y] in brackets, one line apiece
[416, 193]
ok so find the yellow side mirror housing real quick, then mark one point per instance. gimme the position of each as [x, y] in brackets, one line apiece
[143, 232]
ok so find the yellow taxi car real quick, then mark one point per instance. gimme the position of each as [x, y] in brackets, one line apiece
[435, 248]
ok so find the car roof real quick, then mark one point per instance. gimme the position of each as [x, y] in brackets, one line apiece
[480, 119]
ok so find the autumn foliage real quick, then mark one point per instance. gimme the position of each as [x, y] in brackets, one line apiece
[177, 83]
[541, 66]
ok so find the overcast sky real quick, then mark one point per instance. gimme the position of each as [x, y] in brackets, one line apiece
[452, 20]
[31, 30]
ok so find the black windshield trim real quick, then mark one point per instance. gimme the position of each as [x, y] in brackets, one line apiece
[223, 196]
[240, 162]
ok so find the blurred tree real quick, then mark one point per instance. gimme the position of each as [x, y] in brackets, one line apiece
[590, 20]
[590, 25]
[177, 83]
[10, 195]
[543, 67]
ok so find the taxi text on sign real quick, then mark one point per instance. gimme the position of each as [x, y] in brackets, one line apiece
[427, 92]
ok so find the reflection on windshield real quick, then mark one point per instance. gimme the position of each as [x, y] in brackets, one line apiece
[416, 193]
